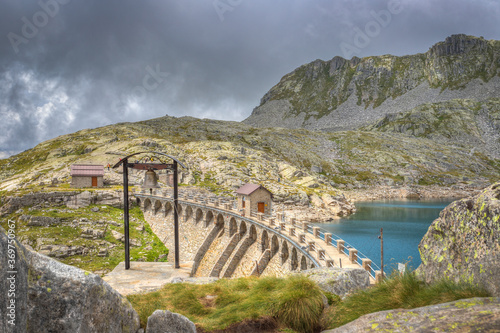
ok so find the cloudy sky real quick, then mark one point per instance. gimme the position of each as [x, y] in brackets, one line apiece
[67, 65]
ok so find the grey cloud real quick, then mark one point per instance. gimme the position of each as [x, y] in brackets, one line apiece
[97, 53]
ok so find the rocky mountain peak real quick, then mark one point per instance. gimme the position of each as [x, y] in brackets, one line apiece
[342, 94]
[458, 44]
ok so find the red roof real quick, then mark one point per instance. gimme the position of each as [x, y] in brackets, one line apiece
[89, 170]
[248, 189]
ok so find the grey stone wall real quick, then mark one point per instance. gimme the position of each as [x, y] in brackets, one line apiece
[79, 181]
[221, 244]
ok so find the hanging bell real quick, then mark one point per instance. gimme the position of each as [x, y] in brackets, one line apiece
[150, 180]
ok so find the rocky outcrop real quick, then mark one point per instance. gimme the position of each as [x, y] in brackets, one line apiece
[464, 242]
[164, 321]
[464, 122]
[339, 281]
[73, 199]
[48, 296]
[13, 203]
[469, 315]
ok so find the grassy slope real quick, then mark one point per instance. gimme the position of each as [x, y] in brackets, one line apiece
[216, 150]
[294, 302]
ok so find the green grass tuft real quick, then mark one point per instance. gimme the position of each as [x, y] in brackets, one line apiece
[399, 291]
[294, 302]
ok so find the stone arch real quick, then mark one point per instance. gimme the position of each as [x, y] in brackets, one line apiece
[243, 228]
[180, 209]
[303, 263]
[168, 209]
[138, 201]
[233, 227]
[209, 218]
[275, 245]
[198, 216]
[312, 265]
[220, 220]
[284, 252]
[157, 207]
[147, 204]
[294, 264]
[189, 213]
[253, 233]
[264, 241]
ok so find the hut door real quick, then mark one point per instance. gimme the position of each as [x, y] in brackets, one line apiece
[261, 207]
[94, 181]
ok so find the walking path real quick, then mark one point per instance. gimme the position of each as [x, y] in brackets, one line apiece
[148, 276]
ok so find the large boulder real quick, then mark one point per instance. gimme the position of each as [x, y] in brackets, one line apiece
[44, 295]
[468, 315]
[339, 281]
[164, 321]
[464, 242]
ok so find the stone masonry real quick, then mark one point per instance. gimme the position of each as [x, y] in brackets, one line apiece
[220, 242]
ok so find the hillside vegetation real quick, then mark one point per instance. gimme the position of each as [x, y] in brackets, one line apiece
[293, 164]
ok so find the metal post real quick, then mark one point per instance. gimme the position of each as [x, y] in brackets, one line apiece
[176, 217]
[382, 252]
[126, 213]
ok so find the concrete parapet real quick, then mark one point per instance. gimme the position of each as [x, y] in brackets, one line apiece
[316, 232]
[282, 226]
[272, 221]
[340, 245]
[378, 277]
[366, 263]
[279, 216]
[330, 263]
[312, 246]
[353, 255]
[321, 254]
[292, 231]
[328, 239]
[293, 221]
[260, 217]
[302, 238]
[304, 226]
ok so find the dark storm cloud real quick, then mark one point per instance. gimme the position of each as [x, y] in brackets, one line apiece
[72, 64]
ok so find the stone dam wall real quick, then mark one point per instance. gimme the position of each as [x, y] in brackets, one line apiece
[221, 243]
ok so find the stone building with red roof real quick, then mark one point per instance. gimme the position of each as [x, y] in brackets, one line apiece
[254, 197]
[87, 175]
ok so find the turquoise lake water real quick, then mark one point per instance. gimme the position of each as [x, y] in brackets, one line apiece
[404, 224]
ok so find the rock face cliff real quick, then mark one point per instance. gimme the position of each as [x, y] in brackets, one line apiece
[44, 295]
[464, 242]
[344, 94]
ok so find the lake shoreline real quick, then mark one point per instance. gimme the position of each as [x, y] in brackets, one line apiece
[416, 192]
[405, 222]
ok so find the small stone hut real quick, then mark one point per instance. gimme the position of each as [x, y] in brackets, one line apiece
[87, 175]
[256, 198]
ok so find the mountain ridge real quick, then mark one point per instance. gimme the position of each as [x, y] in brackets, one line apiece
[342, 94]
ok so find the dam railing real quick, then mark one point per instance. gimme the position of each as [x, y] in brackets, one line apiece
[307, 236]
